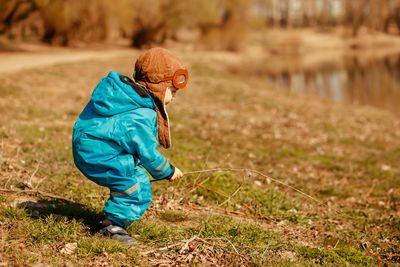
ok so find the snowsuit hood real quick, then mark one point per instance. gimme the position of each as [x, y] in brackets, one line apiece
[113, 95]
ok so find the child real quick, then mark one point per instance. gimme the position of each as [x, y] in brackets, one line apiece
[114, 138]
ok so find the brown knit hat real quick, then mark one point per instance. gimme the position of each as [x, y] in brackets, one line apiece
[153, 69]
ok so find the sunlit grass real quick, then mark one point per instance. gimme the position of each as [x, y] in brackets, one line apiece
[219, 121]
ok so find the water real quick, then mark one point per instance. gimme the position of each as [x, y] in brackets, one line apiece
[375, 82]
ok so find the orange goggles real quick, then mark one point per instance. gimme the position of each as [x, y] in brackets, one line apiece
[179, 80]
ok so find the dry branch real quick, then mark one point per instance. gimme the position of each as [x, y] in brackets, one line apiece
[186, 245]
[29, 182]
[270, 178]
[226, 196]
[379, 261]
[261, 174]
[237, 213]
[225, 239]
[231, 196]
[225, 250]
[186, 241]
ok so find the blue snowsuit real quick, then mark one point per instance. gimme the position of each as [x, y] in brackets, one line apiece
[113, 138]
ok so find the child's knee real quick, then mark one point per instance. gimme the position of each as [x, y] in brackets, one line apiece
[129, 205]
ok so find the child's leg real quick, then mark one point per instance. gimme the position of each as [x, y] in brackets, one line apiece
[128, 203]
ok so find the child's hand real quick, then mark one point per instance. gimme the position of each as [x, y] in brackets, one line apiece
[177, 175]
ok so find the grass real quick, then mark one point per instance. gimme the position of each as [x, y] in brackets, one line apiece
[8, 90]
[172, 216]
[344, 156]
[341, 256]
[238, 233]
[94, 246]
[151, 231]
[46, 235]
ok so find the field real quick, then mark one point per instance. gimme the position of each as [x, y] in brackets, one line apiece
[344, 160]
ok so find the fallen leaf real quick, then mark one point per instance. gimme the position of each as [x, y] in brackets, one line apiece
[69, 248]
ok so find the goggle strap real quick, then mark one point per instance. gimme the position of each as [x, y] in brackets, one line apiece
[169, 78]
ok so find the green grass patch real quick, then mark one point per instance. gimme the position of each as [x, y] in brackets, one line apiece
[94, 246]
[12, 214]
[172, 216]
[341, 256]
[264, 200]
[238, 233]
[151, 231]
[51, 229]
[249, 239]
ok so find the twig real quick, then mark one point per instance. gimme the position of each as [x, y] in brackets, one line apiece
[186, 245]
[231, 196]
[29, 183]
[241, 214]
[337, 242]
[40, 181]
[212, 190]
[244, 204]
[379, 260]
[186, 242]
[276, 181]
[262, 256]
[195, 185]
[222, 194]
[8, 180]
[198, 176]
[225, 250]
[259, 173]
[35, 191]
[226, 239]
[169, 246]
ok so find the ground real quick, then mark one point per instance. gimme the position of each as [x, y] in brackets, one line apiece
[343, 159]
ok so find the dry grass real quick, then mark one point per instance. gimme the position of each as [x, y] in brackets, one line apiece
[344, 156]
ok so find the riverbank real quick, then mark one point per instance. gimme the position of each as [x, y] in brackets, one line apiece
[310, 48]
[328, 65]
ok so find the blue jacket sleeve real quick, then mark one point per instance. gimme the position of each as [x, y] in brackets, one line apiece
[141, 142]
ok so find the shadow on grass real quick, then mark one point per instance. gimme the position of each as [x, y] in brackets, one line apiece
[64, 210]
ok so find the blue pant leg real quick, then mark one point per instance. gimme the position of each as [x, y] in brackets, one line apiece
[128, 204]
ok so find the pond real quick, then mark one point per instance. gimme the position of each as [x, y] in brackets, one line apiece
[374, 82]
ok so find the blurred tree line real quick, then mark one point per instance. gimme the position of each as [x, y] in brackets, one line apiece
[70, 22]
[218, 23]
[379, 15]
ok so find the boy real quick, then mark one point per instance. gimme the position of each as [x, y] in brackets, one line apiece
[114, 138]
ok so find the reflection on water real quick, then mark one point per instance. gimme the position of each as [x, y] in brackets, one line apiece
[376, 83]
